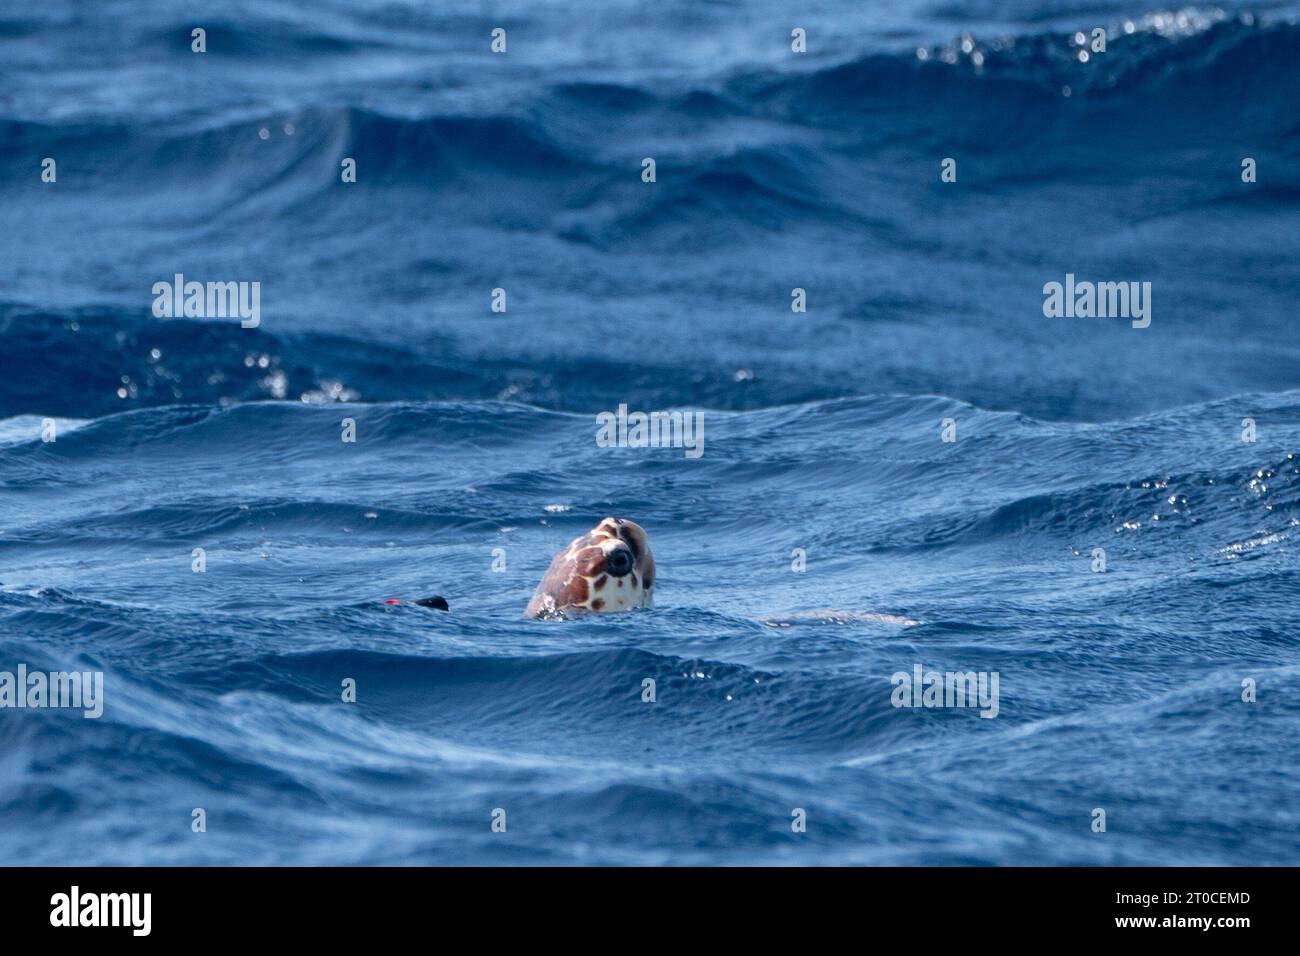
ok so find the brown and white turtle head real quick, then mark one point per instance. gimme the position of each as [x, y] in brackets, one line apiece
[610, 568]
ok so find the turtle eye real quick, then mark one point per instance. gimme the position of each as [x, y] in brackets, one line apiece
[619, 562]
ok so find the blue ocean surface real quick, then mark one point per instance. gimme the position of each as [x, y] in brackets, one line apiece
[1163, 689]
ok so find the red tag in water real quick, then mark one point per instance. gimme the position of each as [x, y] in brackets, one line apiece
[392, 601]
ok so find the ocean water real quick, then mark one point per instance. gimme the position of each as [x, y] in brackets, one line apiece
[475, 457]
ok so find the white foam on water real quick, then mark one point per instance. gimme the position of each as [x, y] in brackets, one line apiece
[25, 428]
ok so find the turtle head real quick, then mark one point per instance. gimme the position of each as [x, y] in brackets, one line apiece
[610, 568]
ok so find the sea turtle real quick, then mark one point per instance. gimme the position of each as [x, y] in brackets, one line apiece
[611, 568]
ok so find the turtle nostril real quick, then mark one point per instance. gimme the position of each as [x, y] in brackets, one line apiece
[619, 562]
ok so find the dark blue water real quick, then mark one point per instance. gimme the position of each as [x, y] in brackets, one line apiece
[475, 431]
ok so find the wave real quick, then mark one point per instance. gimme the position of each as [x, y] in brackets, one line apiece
[1080, 485]
[1151, 86]
[97, 361]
